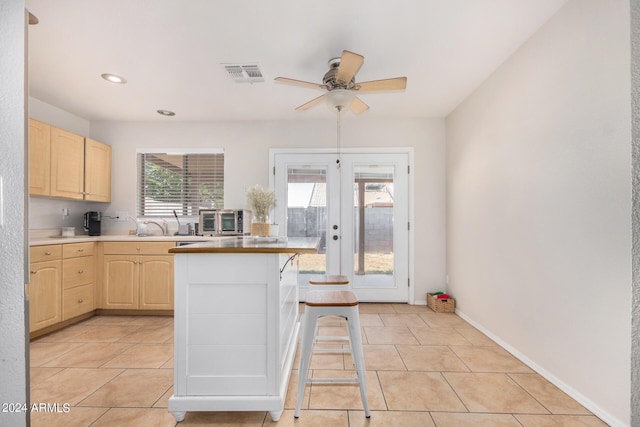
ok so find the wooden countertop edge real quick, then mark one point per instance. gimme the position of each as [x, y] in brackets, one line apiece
[266, 250]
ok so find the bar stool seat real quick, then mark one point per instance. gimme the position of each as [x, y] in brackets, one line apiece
[329, 282]
[331, 303]
[329, 279]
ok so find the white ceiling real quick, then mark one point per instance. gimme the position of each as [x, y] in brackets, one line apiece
[170, 51]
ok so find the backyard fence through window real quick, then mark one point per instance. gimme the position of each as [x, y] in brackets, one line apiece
[185, 182]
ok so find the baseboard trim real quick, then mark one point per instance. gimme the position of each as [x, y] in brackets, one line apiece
[123, 312]
[60, 325]
[573, 393]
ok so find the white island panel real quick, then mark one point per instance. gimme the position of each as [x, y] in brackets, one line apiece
[236, 326]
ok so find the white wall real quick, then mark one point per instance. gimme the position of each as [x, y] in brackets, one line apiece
[246, 146]
[635, 105]
[538, 204]
[13, 353]
[58, 117]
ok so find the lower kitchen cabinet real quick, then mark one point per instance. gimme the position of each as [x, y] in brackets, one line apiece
[78, 279]
[45, 294]
[45, 286]
[137, 276]
[156, 282]
[77, 301]
[120, 282]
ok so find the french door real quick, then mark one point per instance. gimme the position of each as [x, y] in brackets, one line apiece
[358, 208]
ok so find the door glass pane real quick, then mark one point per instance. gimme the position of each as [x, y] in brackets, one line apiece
[373, 226]
[307, 215]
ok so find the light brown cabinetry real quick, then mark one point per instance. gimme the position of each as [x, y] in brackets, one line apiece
[78, 279]
[39, 158]
[45, 286]
[65, 165]
[97, 171]
[137, 276]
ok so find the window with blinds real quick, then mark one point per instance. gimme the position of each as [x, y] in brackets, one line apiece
[184, 182]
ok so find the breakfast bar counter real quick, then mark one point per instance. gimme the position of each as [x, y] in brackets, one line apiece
[235, 323]
[251, 245]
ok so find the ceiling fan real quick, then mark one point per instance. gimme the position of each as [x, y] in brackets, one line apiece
[341, 87]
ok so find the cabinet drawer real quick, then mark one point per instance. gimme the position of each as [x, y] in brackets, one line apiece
[77, 301]
[71, 250]
[45, 253]
[138, 248]
[78, 271]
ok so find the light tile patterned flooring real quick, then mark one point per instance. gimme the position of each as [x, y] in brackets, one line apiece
[423, 369]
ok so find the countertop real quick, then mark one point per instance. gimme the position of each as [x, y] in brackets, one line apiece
[252, 245]
[56, 240]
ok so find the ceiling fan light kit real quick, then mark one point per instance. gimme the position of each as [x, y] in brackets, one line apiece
[339, 98]
[341, 87]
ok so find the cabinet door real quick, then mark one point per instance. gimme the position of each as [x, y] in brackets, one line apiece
[67, 164]
[156, 282]
[120, 282]
[39, 158]
[97, 175]
[45, 294]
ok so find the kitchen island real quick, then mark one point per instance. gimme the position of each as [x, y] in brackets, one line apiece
[235, 323]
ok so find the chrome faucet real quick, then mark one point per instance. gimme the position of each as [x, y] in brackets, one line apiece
[164, 226]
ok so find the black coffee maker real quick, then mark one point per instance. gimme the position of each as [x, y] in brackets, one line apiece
[92, 223]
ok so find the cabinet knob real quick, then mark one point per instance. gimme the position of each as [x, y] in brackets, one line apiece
[137, 249]
[34, 271]
[80, 271]
[81, 250]
[80, 301]
[47, 253]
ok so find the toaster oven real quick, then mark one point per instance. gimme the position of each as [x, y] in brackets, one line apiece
[225, 222]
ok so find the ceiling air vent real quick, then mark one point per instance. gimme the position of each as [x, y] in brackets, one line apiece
[244, 73]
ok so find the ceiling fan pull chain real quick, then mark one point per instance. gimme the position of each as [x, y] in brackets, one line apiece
[339, 108]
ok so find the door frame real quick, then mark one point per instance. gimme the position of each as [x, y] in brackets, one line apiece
[409, 151]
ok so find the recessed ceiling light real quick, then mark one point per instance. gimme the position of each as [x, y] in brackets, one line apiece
[113, 78]
[166, 113]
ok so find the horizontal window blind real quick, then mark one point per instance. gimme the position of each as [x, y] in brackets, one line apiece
[185, 183]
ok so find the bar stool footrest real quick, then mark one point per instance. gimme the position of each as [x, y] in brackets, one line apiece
[333, 380]
[330, 338]
[333, 350]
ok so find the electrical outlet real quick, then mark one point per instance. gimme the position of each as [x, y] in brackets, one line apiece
[122, 215]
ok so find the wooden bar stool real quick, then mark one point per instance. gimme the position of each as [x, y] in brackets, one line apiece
[331, 303]
[329, 282]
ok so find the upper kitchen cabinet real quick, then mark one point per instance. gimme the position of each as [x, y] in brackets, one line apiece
[97, 171]
[65, 165]
[39, 158]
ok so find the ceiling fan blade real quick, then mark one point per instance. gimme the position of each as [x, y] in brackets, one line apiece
[311, 103]
[397, 83]
[350, 63]
[301, 83]
[357, 106]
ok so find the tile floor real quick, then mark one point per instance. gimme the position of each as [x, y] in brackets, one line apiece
[423, 369]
